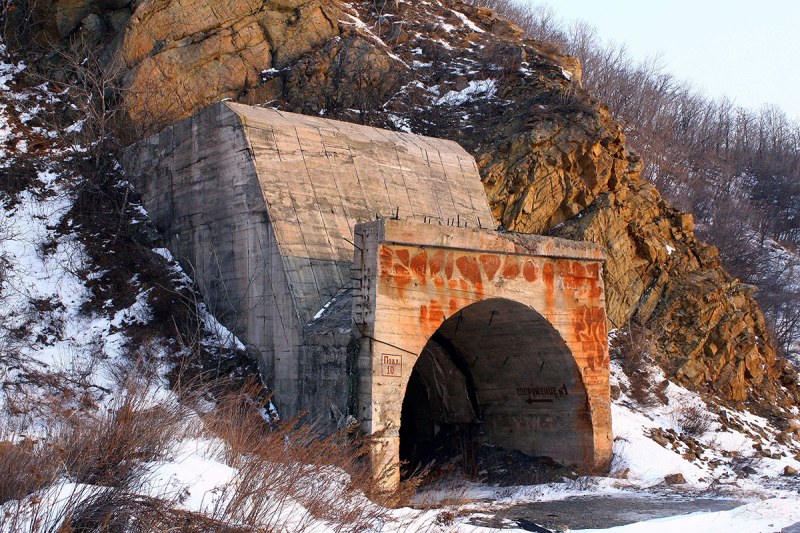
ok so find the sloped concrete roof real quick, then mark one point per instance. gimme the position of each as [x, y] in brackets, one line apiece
[320, 177]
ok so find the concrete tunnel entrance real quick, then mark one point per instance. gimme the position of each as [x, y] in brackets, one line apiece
[497, 373]
[466, 334]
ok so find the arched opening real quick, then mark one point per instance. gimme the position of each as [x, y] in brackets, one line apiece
[496, 373]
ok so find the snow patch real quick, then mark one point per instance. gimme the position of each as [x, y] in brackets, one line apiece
[482, 89]
[467, 22]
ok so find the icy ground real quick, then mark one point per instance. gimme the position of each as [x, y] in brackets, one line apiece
[44, 276]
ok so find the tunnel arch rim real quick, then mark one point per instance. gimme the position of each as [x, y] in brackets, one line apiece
[563, 347]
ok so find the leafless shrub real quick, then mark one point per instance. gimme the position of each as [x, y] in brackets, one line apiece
[635, 348]
[84, 452]
[125, 510]
[94, 88]
[692, 420]
[288, 464]
[287, 476]
[20, 21]
[582, 482]
[110, 449]
[745, 465]
[25, 467]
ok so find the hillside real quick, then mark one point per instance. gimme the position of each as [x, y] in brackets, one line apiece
[735, 169]
[92, 299]
[552, 158]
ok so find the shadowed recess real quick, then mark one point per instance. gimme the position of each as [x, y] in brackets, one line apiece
[498, 373]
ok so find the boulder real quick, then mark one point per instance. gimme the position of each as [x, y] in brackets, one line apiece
[674, 479]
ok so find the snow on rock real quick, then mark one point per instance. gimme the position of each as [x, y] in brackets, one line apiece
[401, 123]
[482, 89]
[716, 455]
[42, 291]
[644, 459]
[467, 22]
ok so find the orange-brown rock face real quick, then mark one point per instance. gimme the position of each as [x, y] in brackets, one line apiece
[182, 56]
[551, 172]
[712, 335]
[552, 159]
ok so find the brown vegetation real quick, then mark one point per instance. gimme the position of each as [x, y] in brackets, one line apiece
[109, 457]
[692, 420]
[636, 349]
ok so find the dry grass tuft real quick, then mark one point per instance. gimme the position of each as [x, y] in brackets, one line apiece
[692, 420]
[287, 477]
[290, 464]
[636, 349]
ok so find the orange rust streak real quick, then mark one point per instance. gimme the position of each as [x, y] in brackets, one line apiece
[419, 264]
[548, 274]
[431, 317]
[530, 271]
[448, 266]
[385, 259]
[468, 266]
[491, 264]
[401, 275]
[589, 326]
[511, 268]
[402, 255]
[574, 275]
[549, 277]
[435, 263]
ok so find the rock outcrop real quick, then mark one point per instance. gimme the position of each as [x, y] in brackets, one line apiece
[181, 56]
[552, 159]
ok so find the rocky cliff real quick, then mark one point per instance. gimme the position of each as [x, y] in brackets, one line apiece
[551, 157]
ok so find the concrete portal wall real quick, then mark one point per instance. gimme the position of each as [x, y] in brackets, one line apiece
[260, 207]
[263, 208]
[413, 277]
[321, 177]
[199, 186]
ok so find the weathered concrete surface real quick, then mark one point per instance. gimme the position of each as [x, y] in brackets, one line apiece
[528, 318]
[320, 177]
[260, 206]
[270, 212]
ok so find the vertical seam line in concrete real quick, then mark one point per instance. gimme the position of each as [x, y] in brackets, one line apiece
[430, 181]
[284, 257]
[358, 178]
[423, 149]
[468, 190]
[343, 137]
[405, 184]
[342, 282]
[322, 219]
[446, 181]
